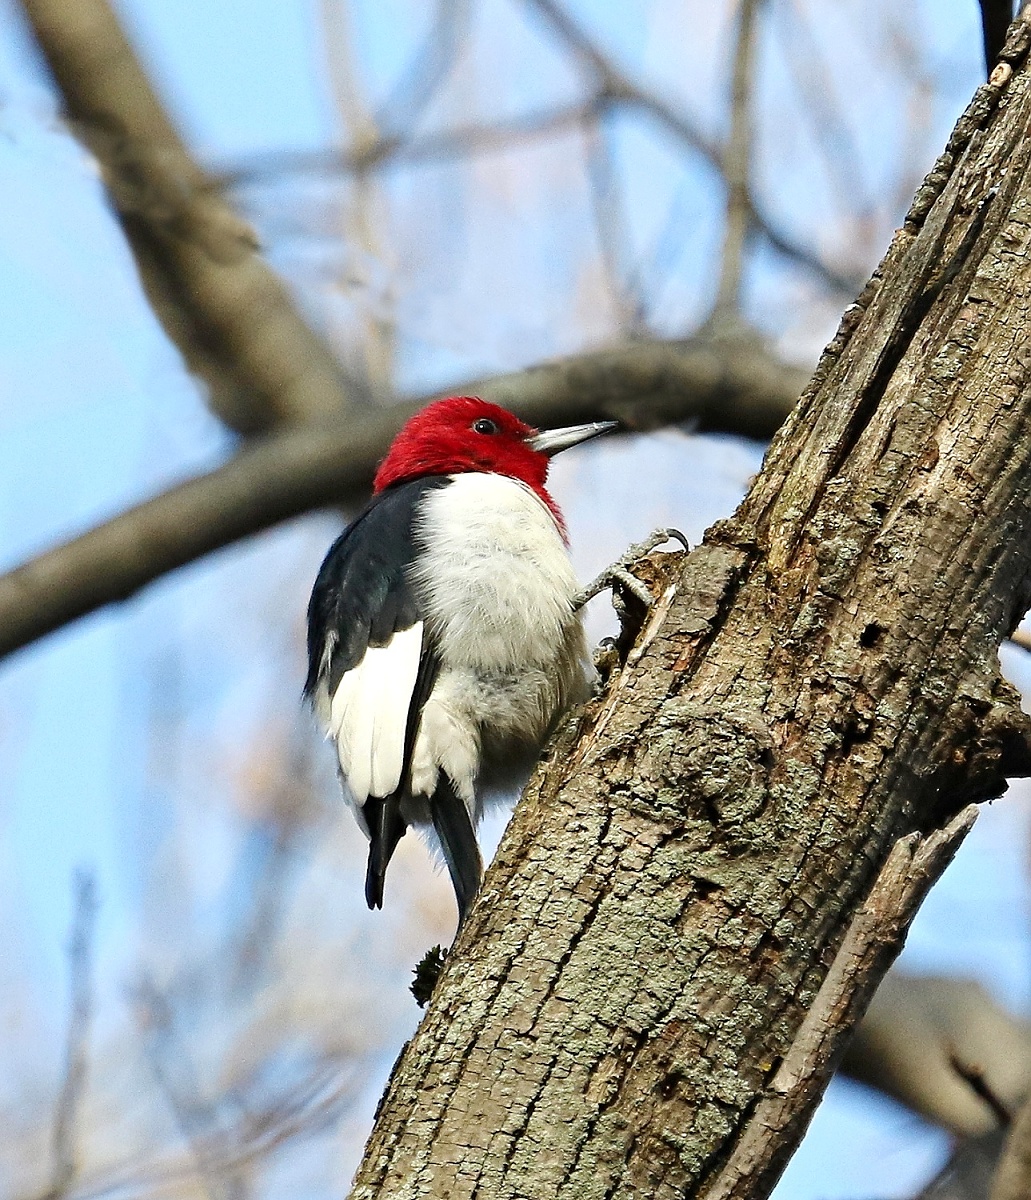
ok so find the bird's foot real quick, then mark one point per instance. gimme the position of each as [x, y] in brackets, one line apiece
[427, 972]
[618, 575]
[607, 660]
[631, 596]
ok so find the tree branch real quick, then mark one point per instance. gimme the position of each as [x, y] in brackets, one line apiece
[230, 316]
[873, 940]
[611, 228]
[395, 148]
[816, 86]
[429, 68]
[80, 960]
[739, 388]
[737, 159]
[915, 1030]
[620, 89]
[362, 207]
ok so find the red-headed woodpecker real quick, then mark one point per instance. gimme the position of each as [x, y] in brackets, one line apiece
[443, 640]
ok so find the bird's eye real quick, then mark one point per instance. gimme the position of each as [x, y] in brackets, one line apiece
[485, 425]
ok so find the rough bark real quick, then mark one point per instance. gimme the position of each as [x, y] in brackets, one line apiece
[733, 385]
[231, 317]
[818, 680]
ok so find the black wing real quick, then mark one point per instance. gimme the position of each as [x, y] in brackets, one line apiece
[363, 598]
[362, 595]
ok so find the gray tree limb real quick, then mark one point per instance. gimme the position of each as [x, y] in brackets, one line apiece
[229, 314]
[816, 681]
[735, 386]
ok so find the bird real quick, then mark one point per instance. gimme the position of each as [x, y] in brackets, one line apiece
[444, 638]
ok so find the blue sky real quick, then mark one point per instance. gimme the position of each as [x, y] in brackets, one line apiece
[97, 411]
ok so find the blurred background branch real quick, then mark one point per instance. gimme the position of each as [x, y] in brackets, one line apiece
[80, 962]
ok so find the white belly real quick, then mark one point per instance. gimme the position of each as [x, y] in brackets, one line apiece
[496, 587]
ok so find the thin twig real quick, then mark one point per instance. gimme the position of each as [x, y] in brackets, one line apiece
[76, 1059]
[393, 150]
[973, 1075]
[816, 86]
[429, 69]
[904, 52]
[620, 89]
[198, 1120]
[289, 812]
[259, 1130]
[611, 227]
[363, 209]
[737, 160]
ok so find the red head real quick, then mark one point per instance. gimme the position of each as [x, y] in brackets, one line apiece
[464, 433]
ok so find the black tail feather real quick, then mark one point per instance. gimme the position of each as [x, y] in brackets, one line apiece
[386, 828]
[996, 16]
[454, 827]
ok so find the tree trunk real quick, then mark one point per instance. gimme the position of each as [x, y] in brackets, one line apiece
[715, 843]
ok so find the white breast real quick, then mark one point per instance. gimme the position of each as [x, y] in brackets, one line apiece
[494, 575]
[496, 587]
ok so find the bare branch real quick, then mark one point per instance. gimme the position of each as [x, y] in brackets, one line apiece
[286, 813]
[392, 149]
[620, 89]
[362, 205]
[816, 88]
[255, 1133]
[733, 387]
[973, 1076]
[198, 1119]
[430, 67]
[226, 310]
[737, 159]
[610, 227]
[917, 1025]
[80, 961]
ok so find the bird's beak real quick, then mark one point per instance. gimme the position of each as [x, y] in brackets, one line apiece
[551, 441]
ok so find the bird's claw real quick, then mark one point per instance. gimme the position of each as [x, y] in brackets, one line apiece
[619, 576]
[426, 974]
[607, 659]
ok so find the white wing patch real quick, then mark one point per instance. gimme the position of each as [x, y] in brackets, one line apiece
[369, 715]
